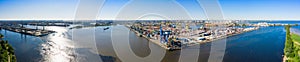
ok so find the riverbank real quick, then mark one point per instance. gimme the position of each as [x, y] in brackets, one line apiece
[157, 42]
[191, 42]
[28, 31]
[227, 35]
[7, 51]
[264, 44]
[292, 45]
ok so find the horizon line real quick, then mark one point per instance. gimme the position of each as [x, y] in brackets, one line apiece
[151, 19]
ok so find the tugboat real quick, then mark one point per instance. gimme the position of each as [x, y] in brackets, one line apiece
[106, 28]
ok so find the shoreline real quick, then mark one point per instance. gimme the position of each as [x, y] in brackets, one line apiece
[28, 31]
[157, 42]
[291, 45]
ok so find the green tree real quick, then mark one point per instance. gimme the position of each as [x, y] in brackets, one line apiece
[7, 51]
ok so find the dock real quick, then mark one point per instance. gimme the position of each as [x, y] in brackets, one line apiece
[28, 31]
[157, 42]
[191, 42]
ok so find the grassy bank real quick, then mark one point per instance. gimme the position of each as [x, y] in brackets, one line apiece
[6, 51]
[295, 37]
[292, 46]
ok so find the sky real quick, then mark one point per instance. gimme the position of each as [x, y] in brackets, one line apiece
[117, 9]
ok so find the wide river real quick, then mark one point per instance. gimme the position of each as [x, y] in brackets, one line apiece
[97, 45]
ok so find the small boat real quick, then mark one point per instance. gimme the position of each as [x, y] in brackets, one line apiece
[141, 35]
[173, 48]
[201, 38]
[106, 28]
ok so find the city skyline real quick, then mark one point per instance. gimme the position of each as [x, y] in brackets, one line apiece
[232, 9]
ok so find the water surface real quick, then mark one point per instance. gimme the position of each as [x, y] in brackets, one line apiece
[95, 45]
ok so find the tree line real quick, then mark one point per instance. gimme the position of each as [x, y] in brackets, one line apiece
[291, 49]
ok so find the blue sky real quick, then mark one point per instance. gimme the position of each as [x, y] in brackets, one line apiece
[232, 9]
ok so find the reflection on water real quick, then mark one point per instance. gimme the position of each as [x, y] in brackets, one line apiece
[58, 47]
[85, 45]
[263, 45]
[96, 45]
[26, 47]
[268, 40]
